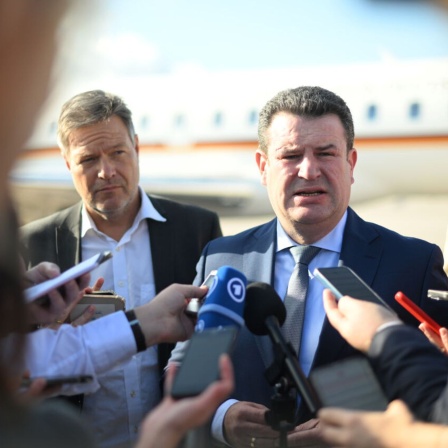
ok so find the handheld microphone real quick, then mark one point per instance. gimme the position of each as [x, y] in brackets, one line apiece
[264, 313]
[225, 300]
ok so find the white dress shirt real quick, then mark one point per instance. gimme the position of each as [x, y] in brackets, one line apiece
[129, 391]
[314, 311]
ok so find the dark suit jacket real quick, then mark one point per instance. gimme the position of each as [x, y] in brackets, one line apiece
[409, 367]
[176, 244]
[387, 261]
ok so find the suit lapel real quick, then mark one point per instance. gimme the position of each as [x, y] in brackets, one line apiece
[161, 242]
[258, 264]
[361, 251]
[68, 239]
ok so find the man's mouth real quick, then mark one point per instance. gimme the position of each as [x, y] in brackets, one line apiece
[309, 193]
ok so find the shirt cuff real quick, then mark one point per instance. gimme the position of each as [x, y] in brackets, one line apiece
[388, 325]
[218, 421]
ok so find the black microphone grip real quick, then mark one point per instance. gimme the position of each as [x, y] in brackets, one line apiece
[293, 367]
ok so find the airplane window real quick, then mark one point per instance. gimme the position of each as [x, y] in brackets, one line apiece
[414, 110]
[253, 117]
[372, 112]
[179, 121]
[53, 128]
[144, 122]
[218, 119]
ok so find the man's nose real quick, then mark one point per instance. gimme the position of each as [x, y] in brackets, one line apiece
[309, 168]
[106, 169]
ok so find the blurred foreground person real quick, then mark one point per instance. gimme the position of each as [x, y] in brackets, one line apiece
[28, 29]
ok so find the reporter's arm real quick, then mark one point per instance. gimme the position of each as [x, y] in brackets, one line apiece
[167, 424]
[394, 428]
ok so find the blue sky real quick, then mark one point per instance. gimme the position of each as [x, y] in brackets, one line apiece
[165, 35]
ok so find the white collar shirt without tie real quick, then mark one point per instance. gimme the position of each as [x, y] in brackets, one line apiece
[132, 389]
[328, 256]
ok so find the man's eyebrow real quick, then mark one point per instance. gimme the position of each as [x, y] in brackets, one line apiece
[329, 146]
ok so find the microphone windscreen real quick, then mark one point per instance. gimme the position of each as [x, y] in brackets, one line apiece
[262, 301]
[224, 303]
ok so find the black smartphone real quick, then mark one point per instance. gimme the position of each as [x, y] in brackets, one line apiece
[343, 281]
[350, 384]
[53, 381]
[200, 365]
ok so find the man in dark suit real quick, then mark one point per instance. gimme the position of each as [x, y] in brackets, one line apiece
[155, 242]
[306, 160]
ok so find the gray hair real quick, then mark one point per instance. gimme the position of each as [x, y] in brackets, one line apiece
[89, 108]
[305, 101]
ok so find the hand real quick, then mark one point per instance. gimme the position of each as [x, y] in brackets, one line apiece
[163, 319]
[36, 391]
[440, 340]
[308, 434]
[96, 286]
[356, 320]
[244, 422]
[387, 429]
[58, 302]
[169, 422]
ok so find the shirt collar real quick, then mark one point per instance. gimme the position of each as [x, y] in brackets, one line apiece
[146, 211]
[332, 241]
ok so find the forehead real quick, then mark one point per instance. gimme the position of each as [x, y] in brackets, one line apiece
[287, 128]
[100, 135]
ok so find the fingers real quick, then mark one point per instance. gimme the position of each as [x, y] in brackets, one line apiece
[96, 286]
[85, 317]
[331, 308]
[432, 336]
[169, 377]
[444, 336]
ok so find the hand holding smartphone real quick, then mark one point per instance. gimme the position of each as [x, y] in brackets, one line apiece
[200, 365]
[194, 304]
[76, 271]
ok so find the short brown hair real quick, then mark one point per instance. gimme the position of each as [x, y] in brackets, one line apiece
[89, 108]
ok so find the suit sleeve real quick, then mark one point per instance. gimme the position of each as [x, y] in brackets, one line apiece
[412, 369]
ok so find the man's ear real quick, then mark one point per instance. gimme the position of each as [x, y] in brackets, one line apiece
[136, 144]
[262, 160]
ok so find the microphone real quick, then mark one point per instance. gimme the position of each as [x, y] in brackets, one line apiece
[264, 313]
[224, 303]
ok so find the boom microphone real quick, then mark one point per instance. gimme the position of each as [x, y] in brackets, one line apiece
[264, 314]
[225, 300]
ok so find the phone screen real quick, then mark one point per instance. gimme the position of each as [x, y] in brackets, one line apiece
[349, 384]
[342, 281]
[200, 366]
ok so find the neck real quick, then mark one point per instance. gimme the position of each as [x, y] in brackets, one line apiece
[115, 225]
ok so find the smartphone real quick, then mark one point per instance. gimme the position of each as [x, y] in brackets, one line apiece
[194, 304]
[436, 294]
[53, 381]
[200, 365]
[105, 301]
[39, 291]
[416, 311]
[343, 281]
[350, 384]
